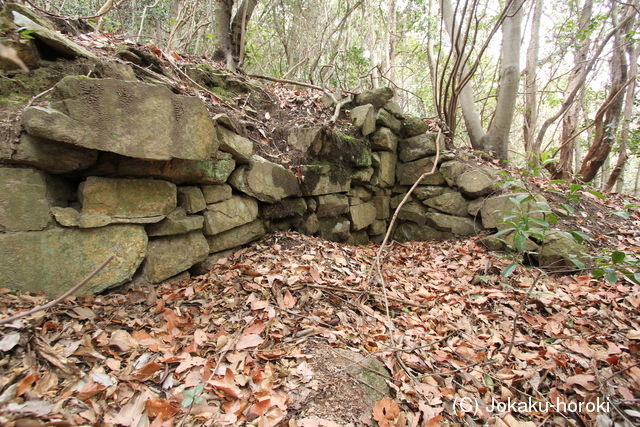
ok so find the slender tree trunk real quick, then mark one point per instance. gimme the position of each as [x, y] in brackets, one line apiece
[564, 168]
[608, 116]
[623, 155]
[222, 32]
[497, 138]
[532, 149]
[239, 28]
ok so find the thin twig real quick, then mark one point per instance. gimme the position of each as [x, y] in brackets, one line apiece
[38, 96]
[520, 310]
[60, 298]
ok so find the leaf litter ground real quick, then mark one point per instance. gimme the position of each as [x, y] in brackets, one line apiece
[255, 330]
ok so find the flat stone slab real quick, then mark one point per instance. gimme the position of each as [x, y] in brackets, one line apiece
[232, 213]
[52, 261]
[265, 180]
[127, 200]
[141, 120]
[237, 237]
[24, 200]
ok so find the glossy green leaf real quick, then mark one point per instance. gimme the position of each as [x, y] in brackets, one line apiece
[509, 269]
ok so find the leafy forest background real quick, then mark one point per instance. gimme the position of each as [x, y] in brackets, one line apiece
[533, 82]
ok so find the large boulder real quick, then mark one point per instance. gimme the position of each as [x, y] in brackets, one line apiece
[53, 261]
[408, 173]
[406, 231]
[450, 202]
[377, 97]
[265, 180]
[132, 119]
[386, 119]
[414, 126]
[364, 117]
[362, 215]
[171, 255]
[558, 249]
[384, 140]
[51, 156]
[495, 209]
[478, 182]
[238, 146]
[127, 200]
[223, 216]
[385, 165]
[26, 197]
[323, 179]
[419, 146]
[454, 224]
[331, 205]
[237, 236]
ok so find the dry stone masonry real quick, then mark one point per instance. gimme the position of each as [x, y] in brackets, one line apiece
[131, 169]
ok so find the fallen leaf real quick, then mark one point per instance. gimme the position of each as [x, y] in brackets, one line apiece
[249, 341]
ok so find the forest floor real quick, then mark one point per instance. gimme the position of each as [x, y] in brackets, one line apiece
[254, 341]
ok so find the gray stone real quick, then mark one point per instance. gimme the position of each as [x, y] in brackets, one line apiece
[394, 108]
[238, 146]
[474, 206]
[558, 249]
[384, 140]
[51, 156]
[237, 236]
[377, 227]
[408, 173]
[223, 216]
[384, 118]
[67, 217]
[177, 213]
[360, 192]
[386, 169]
[172, 226]
[332, 205]
[228, 122]
[495, 209]
[454, 224]
[284, 208]
[312, 204]
[132, 119]
[264, 180]
[362, 215]
[450, 202]
[323, 179]
[364, 117]
[382, 206]
[362, 175]
[53, 261]
[451, 170]
[413, 211]
[478, 182]
[191, 199]
[414, 126]
[423, 192]
[358, 238]
[505, 242]
[216, 193]
[334, 229]
[215, 170]
[419, 146]
[306, 139]
[96, 221]
[51, 38]
[25, 200]
[127, 200]
[377, 97]
[168, 256]
[407, 231]
[309, 224]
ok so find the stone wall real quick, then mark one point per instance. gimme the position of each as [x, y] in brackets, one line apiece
[132, 169]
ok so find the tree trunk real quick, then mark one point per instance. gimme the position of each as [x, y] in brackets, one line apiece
[623, 155]
[564, 168]
[239, 28]
[608, 116]
[222, 32]
[532, 149]
[497, 138]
